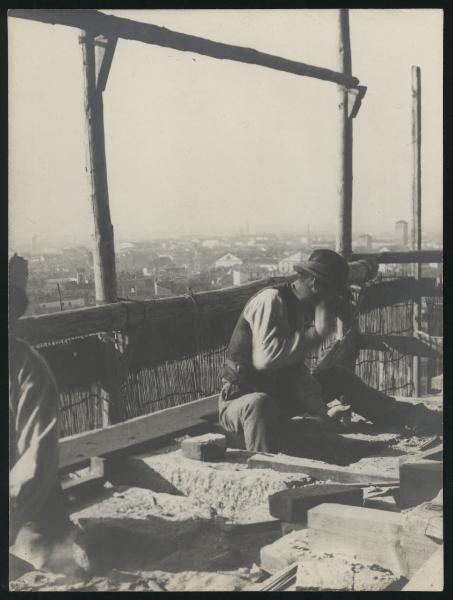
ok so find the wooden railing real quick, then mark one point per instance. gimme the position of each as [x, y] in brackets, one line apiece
[122, 315]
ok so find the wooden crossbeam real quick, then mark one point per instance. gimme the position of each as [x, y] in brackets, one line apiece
[98, 23]
[120, 315]
[436, 342]
[100, 442]
[386, 293]
[106, 51]
[413, 256]
[401, 343]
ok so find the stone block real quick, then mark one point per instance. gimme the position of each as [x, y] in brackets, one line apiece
[337, 574]
[285, 551]
[369, 535]
[419, 481]
[207, 447]
[292, 505]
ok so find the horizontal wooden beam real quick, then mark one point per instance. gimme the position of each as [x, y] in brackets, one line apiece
[386, 293]
[413, 256]
[98, 23]
[404, 344]
[318, 469]
[121, 315]
[101, 442]
[435, 342]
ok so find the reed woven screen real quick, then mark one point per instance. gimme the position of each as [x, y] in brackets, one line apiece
[176, 361]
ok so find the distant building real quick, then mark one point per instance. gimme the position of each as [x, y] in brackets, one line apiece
[286, 265]
[365, 241]
[240, 276]
[401, 228]
[81, 277]
[227, 261]
[210, 244]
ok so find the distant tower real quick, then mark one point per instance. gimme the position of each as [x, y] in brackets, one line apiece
[81, 278]
[401, 228]
[308, 235]
[34, 245]
[366, 241]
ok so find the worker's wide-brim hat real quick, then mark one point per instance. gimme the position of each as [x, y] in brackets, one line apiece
[330, 268]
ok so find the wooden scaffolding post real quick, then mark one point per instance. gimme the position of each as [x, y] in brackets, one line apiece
[416, 237]
[103, 251]
[344, 234]
[97, 58]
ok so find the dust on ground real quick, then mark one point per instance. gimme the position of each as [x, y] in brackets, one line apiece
[191, 551]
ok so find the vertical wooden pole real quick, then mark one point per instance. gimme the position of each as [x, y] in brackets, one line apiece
[344, 233]
[416, 237]
[104, 252]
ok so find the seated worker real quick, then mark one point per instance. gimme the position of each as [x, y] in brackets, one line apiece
[265, 380]
[41, 533]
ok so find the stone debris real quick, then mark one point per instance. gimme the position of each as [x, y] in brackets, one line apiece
[160, 530]
[207, 447]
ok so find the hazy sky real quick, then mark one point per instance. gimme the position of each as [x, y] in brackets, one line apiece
[199, 145]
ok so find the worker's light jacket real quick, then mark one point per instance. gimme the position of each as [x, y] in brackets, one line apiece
[266, 349]
[33, 436]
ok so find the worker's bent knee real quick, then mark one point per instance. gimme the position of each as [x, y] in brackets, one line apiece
[261, 405]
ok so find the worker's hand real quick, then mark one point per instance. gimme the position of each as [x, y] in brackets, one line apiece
[340, 413]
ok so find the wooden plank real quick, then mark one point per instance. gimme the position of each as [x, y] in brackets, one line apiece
[117, 316]
[414, 256]
[434, 453]
[318, 469]
[386, 293]
[436, 342]
[430, 577]
[100, 442]
[121, 315]
[404, 344]
[98, 23]
[279, 581]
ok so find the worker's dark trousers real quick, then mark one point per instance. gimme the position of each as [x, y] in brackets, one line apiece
[261, 416]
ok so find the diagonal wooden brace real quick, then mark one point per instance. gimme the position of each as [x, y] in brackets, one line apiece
[104, 51]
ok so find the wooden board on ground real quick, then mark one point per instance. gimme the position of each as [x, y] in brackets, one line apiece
[318, 469]
[100, 442]
[430, 577]
[278, 582]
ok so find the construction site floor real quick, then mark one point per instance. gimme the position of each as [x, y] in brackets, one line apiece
[166, 522]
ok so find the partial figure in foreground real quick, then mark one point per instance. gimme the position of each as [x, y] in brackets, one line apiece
[41, 534]
[265, 381]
